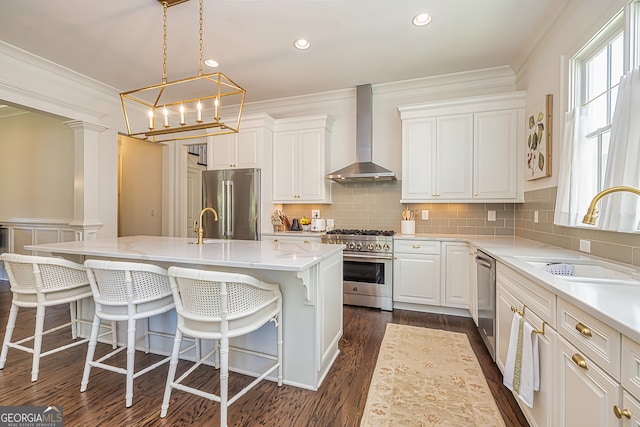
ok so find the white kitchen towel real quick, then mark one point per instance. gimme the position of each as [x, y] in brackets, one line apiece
[522, 369]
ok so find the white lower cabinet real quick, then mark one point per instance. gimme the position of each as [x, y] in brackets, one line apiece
[416, 272]
[473, 284]
[629, 412]
[586, 394]
[455, 283]
[291, 238]
[542, 413]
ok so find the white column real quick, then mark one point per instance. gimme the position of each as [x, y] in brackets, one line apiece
[86, 187]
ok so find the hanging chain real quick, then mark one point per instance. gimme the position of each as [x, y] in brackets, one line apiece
[164, 42]
[200, 63]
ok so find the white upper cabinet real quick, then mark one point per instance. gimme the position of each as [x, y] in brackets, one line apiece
[249, 148]
[464, 150]
[300, 150]
[495, 154]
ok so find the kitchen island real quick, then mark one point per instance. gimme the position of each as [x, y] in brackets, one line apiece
[310, 279]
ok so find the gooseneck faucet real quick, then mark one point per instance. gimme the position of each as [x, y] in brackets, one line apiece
[592, 211]
[200, 229]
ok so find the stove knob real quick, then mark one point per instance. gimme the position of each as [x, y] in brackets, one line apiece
[378, 247]
[350, 245]
[385, 247]
[370, 246]
[358, 246]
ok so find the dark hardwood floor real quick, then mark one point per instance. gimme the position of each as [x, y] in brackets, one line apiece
[339, 402]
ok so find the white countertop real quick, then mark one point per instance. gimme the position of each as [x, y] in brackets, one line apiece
[281, 256]
[616, 305]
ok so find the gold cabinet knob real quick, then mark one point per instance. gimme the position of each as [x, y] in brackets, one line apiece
[583, 329]
[619, 413]
[416, 246]
[579, 360]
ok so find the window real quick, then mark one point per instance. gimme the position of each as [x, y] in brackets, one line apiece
[598, 155]
[598, 68]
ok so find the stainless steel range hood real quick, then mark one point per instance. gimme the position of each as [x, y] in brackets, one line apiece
[364, 169]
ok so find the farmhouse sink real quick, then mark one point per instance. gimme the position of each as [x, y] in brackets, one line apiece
[592, 271]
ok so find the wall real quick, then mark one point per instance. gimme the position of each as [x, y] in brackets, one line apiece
[370, 205]
[40, 85]
[546, 70]
[616, 246]
[36, 167]
[140, 188]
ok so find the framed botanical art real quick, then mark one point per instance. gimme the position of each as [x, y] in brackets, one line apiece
[538, 149]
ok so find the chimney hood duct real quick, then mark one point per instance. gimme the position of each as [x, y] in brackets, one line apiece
[364, 169]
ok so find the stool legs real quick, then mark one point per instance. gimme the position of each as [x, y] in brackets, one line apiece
[91, 349]
[173, 366]
[73, 313]
[37, 343]
[224, 380]
[11, 323]
[131, 352]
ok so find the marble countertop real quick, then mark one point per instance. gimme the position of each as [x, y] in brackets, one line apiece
[617, 305]
[266, 255]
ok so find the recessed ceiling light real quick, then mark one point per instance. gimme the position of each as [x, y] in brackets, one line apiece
[211, 63]
[301, 44]
[421, 19]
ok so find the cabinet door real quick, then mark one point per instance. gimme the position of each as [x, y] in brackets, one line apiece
[311, 171]
[248, 150]
[223, 149]
[495, 154]
[473, 285]
[456, 275]
[633, 407]
[542, 414]
[585, 395]
[454, 152]
[285, 156]
[418, 159]
[416, 279]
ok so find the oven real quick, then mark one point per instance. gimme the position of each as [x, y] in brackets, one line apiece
[367, 267]
[368, 281]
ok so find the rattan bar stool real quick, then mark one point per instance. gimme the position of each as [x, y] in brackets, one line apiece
[40, 282]
[126, 291]
[218, 306]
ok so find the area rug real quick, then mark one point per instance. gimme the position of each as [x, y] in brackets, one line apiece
[428, 377]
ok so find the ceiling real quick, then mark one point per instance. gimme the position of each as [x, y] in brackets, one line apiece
[119, 42]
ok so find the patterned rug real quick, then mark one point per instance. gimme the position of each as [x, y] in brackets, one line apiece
[428, 377]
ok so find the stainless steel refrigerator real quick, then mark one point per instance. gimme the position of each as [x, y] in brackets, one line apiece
[235, 195]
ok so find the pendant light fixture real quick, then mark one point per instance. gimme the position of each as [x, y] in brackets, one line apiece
[193, 107]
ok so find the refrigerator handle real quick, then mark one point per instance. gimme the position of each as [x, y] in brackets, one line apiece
[228, 208]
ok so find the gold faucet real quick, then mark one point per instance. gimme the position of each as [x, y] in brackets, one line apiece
[592, 211]
[200, 230]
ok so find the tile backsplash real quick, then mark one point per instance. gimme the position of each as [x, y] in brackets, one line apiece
[623, 247]
[376, 205]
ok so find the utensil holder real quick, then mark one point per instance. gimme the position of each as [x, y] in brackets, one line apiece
[408, 227]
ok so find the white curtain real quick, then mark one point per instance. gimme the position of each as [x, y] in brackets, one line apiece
[576, 179]
[621, 211]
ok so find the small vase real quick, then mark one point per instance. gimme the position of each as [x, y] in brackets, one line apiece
[408, 227]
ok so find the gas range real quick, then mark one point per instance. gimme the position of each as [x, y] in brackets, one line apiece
[372, 242]
[367, 266]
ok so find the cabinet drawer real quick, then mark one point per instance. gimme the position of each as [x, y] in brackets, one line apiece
[417, 246]
[631, 366]
[294, 239]
[598, 341]
[539, 300]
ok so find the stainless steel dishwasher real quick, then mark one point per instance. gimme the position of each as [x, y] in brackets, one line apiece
[486, 267]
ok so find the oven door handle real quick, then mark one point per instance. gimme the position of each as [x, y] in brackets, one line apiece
[356, 257]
